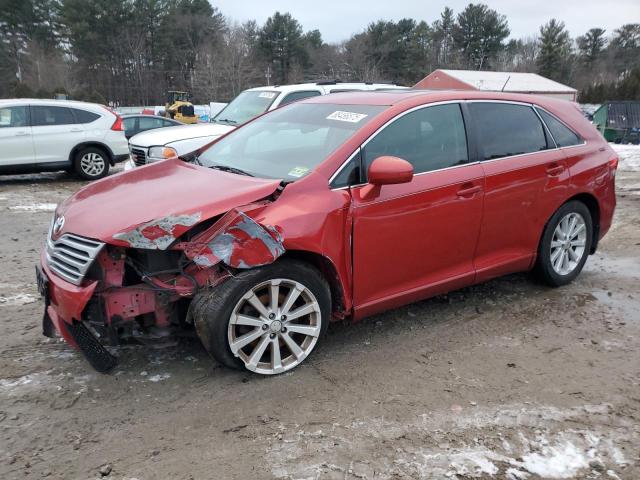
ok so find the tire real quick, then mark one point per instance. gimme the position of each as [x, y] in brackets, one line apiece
[226, 317]
[91, 163]
[560, 261]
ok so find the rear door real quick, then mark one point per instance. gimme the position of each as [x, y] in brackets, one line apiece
[55, 132]
[523, 172]
[417, 239]
[15, 136]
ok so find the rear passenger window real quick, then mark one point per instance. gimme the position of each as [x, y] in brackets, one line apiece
[431, 138]
[82, 116]
[45, 115]
[563, 136]
[506, 129]
[295, 96]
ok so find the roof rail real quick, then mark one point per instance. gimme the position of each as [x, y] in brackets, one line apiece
[329, 82]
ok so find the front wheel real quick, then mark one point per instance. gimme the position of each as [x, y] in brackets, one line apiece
[267, 320]
[565, 244]
[91, 163]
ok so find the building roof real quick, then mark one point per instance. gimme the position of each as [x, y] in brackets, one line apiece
[510, 81]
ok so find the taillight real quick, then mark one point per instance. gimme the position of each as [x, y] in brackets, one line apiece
[118, 126]
[613, 164]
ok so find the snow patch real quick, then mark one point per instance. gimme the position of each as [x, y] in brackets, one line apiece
[560, 461]
[35, 207]
[629, 157]
[19, 299]
[159, 377]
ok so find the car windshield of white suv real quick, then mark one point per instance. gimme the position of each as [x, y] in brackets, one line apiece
[245, 106]
[289, 142]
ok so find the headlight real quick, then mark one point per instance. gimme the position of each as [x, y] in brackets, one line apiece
[161, 153]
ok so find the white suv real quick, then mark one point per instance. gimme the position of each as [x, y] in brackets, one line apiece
[48, 135]
[152, 146]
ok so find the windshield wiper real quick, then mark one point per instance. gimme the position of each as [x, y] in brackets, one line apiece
[226, 168]
[225, 120]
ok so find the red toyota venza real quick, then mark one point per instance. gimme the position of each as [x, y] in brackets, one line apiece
[334, 207]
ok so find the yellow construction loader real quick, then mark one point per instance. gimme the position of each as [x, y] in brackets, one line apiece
[179, 107]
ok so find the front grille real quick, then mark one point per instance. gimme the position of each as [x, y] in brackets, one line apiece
[139, 156]
[70, 256]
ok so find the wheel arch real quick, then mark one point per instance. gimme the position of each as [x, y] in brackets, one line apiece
[95, 144]
[330, 273]
[591, 202]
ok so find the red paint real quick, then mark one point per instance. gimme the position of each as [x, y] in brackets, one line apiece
[383, 245]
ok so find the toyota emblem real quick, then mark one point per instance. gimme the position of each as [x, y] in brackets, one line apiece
[58, 224]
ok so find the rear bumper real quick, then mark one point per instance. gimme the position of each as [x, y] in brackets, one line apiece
[120, 158]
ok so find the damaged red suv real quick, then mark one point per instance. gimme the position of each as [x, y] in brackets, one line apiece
[330, 208]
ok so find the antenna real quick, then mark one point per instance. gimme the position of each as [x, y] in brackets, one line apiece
[505, 83]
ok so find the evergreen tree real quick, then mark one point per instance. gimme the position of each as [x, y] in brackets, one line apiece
[555, 51]
[282, 44]
[478, 35]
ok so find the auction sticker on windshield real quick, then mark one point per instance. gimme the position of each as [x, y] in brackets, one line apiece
[346, 116]
[267, 95]
[298, 172]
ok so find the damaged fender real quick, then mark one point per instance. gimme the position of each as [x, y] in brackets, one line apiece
[238, 241]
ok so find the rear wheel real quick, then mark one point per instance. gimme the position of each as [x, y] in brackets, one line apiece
[565, 244]
[91, 163]
[267, 320]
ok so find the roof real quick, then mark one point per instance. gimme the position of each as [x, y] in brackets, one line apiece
[47, 101]
[323, 85]
[508, 81]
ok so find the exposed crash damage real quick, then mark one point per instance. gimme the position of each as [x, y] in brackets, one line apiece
[238, 241]
[142, 292]
[158, 234]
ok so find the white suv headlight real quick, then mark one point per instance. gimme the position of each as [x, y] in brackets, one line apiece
[161, 153]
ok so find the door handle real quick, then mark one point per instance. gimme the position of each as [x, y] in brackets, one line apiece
[554, 170]
[21, 134]
[466, 191]
[75, 130]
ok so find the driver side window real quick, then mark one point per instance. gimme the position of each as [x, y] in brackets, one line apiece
[431, 138]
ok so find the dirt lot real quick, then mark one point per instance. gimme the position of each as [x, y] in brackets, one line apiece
[507, 380]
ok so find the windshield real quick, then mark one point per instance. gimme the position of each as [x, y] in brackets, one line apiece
[289, 142]
[245, 106]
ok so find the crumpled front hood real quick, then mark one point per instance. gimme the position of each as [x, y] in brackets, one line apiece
[149, 207]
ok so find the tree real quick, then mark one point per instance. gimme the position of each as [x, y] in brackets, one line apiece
[625, 47]
[554, 58]
[478, 35]
[281, 44]
[591, 46]
[443, 38]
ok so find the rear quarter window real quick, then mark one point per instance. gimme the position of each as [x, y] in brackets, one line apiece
[563, 135]
[506, 129]
[82, 116]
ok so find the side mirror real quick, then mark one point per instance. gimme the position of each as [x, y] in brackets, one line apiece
[387, 170]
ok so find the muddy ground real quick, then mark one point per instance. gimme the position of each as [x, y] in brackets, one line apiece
[507, 380]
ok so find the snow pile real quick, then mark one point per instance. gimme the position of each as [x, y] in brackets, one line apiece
[629, 157]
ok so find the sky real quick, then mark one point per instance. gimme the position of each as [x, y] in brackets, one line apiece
[337, 20]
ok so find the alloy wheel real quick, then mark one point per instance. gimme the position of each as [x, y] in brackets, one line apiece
[568, 243]
[275, 326]
[92, 164]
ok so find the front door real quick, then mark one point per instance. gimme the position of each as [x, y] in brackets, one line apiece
[414, 240]
[55, 132]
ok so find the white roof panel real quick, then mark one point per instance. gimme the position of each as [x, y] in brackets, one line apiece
[515, 81]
